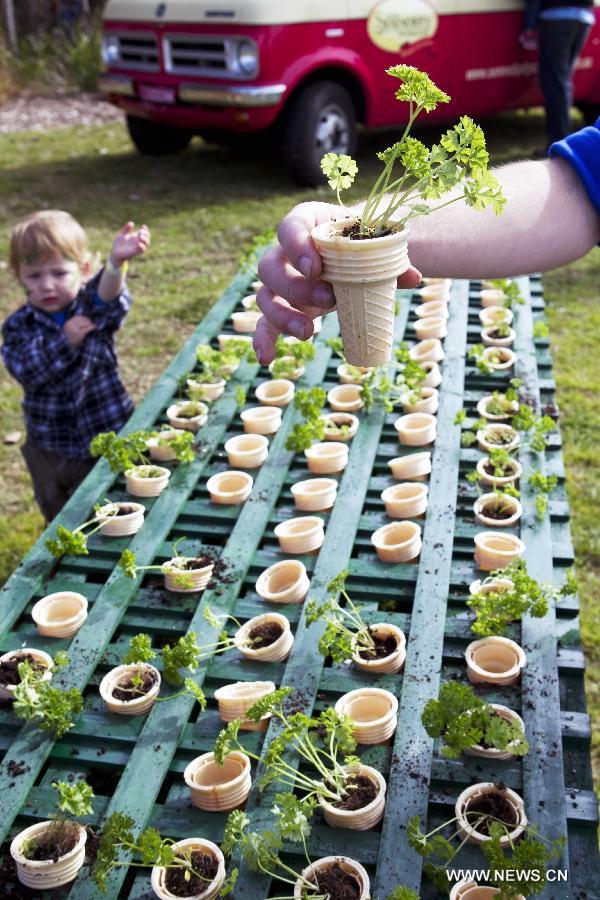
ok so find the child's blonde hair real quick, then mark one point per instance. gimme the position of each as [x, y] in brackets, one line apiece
[46, 233]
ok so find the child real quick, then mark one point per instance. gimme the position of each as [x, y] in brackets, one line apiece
[60, 347]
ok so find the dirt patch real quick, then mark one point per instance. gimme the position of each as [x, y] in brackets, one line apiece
[9, 669]
[265, 634]
[495, 805]
[338, 884]
[37, 113]
[128, 690]
[384, 646]
[361, 792]
[198, 563]
[54, 842]
[494, 512]
[204, 864]
[124, 510]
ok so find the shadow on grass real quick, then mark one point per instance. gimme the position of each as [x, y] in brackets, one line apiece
[206, 176]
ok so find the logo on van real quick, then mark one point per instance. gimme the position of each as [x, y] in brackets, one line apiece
[160, 10]
[397, 24]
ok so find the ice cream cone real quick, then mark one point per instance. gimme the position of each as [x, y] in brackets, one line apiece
[363, 275]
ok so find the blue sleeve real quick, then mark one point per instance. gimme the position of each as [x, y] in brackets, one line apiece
[107, 314]
[531, 15]
[38, 360]
[582, 151]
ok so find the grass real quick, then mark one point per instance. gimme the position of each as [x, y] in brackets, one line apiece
[204, 207]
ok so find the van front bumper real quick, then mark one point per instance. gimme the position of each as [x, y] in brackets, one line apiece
[200, 106]
[240, 97]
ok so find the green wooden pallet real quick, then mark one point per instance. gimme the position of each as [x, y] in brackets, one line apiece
[136, 765]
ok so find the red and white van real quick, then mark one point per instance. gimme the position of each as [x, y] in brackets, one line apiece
[313, 70]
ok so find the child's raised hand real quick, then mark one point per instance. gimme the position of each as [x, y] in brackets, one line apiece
[129, 243]
[77, 328]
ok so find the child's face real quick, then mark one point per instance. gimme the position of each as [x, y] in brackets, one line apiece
[51, 284]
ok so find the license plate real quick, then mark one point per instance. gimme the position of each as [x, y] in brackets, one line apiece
[155, 94]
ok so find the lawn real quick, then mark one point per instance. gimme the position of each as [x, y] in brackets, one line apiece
[203, 208]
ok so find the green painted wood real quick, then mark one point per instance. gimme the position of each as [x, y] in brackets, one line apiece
[144, 759]
[305, 664]
[146, 768]
[86, 648]
[408, 784]
[38, 562]
[544, 786]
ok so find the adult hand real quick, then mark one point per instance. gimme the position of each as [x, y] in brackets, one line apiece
[293, 294]
[528, 39]
[129, 243]
[77, 328]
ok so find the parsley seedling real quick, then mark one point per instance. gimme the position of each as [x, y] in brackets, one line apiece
[460, 158]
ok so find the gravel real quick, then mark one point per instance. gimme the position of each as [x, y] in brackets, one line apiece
[37, 113]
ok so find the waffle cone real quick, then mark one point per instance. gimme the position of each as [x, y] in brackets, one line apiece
[363, 275]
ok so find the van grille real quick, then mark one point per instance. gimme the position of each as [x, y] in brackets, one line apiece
[196, 55]
[138, 51]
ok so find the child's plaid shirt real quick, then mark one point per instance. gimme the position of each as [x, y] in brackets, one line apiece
[71, 393]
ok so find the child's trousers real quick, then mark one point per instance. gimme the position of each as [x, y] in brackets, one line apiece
[55, 476]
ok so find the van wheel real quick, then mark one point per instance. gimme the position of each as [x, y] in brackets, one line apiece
[321, 119]
[590, 112]
[156, 139]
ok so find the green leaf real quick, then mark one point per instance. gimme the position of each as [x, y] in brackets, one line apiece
[293, 816]
[116, 833]
[74, 798]
[339, 729]
[140, 650]
[403, 893]
[196, 691]
[60, 660]
[49, 708]
[227, 741]
[152, 849]
[259, 850]
[237, 822]
[67, 543]
[185, 654]
[495, 609]
[127, 564]
[268, 703]
[340, 170]
[229, 883]
[417, 87]
[121, 452]
[240, 396]
[338, 584]
[213, 620]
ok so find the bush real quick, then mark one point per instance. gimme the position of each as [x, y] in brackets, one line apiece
[51, 61]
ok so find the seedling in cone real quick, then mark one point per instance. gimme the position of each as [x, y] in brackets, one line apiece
[364, 255]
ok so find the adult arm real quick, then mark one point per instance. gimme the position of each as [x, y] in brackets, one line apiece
[532, 10]
[549, 220]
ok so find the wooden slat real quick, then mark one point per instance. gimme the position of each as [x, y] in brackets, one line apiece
[543, 775]
[305, 664]
[143, 759]
[408, 785]
[146, 768]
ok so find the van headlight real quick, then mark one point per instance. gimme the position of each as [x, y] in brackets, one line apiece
[110, 49]
[246, 57]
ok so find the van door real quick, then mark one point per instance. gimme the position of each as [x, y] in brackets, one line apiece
[420, 33]
[494, 72]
